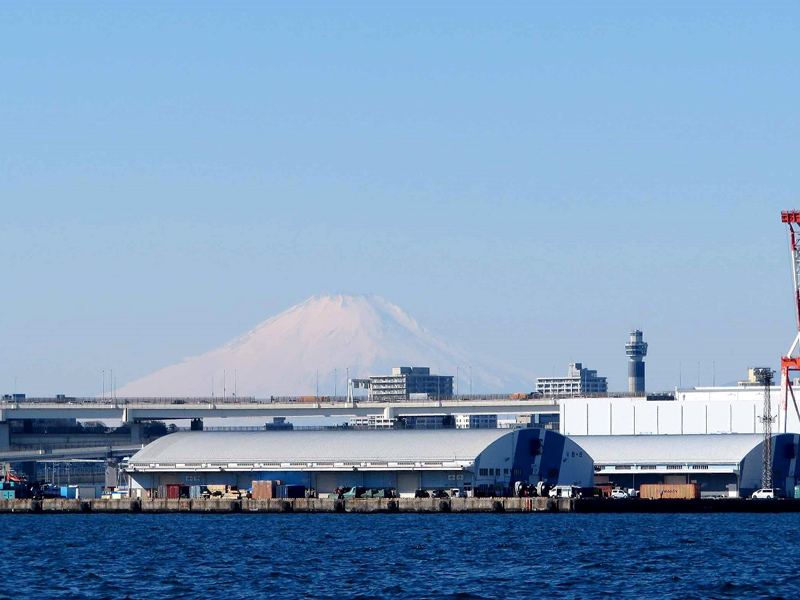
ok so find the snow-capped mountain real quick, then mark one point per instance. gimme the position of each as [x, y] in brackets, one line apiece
[333, 335]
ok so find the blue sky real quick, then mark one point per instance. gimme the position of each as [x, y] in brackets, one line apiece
[529, 179]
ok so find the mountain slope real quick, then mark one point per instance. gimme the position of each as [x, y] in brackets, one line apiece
[364, 334]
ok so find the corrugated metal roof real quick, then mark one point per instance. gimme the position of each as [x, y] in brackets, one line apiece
[317, 446]
[665, 449]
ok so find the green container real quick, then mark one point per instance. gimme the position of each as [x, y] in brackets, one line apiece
[797, 491]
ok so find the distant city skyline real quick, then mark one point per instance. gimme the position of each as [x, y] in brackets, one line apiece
[528, 180]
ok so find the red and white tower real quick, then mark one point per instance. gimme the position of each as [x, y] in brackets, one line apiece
[791, 362]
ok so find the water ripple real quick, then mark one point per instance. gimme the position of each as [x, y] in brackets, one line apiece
[99, 556]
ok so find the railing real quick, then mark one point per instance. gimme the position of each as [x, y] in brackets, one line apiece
[178, 401]
[249, 400]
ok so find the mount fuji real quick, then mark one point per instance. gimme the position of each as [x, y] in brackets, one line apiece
[334, 335]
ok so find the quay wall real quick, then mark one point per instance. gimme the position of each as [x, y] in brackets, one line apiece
[399, 505]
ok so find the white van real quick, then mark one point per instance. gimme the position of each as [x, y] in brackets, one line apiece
[764, 494]
[564, 491]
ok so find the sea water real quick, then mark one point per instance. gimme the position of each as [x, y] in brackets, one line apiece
[399, 556]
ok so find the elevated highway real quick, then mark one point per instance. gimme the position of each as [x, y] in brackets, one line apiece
[135, 411]
[131, 410]
[68, 454]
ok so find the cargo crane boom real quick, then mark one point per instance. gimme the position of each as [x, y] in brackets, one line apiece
[791, 362]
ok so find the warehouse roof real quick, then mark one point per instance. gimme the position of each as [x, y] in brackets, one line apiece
[666, 449]
[317, 446]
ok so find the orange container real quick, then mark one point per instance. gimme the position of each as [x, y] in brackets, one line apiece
[681, 491]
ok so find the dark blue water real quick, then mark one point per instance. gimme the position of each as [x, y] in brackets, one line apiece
[400, 556]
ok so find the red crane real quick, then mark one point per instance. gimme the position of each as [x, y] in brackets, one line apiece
[791, 362]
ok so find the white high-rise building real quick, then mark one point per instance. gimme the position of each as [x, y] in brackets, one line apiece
[578, 382]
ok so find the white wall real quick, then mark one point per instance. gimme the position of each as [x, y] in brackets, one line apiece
[705, 410]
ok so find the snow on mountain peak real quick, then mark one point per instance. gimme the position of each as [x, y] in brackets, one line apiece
[362, 334]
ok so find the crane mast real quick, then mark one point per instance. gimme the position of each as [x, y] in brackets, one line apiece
[791, 362]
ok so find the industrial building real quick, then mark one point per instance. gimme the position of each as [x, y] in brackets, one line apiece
[730, 465]
[578, 381]
[700, 410]
[476, 421]
[429, 422]
[405, 381]
[373, 422]
[487, 461]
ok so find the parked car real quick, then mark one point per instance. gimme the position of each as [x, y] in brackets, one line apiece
[764, 494]
[439, 494]
[421, 494]
[619, 494]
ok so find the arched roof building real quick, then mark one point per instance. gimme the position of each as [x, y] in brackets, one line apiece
[404, 459]
[728, 464]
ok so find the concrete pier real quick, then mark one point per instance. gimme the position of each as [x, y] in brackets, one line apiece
[399, 505]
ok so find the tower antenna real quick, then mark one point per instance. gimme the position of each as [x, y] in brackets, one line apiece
[764, 375]
[636, 350]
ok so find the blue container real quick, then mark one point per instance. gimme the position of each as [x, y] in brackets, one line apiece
[69, 492]
[291, 491]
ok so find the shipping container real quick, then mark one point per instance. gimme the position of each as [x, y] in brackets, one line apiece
[658, 491]
[69, 491]
[86, 492]
[265, 489]
[291, 491]
[196, 491]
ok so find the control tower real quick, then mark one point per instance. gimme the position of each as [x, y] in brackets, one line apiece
[636, 350]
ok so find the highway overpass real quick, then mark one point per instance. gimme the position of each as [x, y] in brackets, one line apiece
[131, 410]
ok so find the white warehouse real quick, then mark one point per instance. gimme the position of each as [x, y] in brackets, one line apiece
[728, 465]
[701, 410]
[488, 461]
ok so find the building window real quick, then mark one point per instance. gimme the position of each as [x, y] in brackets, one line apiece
[505, 471]
[484, 472]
